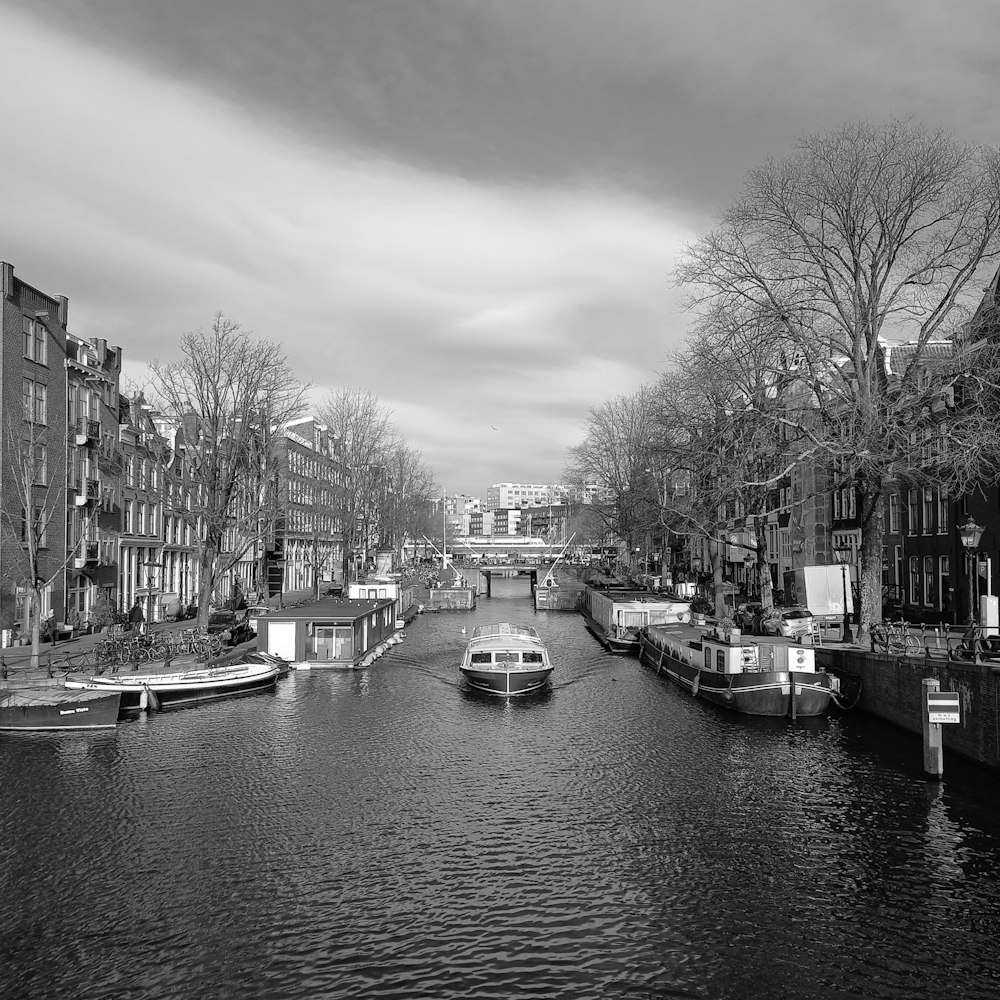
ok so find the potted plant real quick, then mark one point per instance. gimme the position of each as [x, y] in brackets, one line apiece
[701, 607]
[726, 630]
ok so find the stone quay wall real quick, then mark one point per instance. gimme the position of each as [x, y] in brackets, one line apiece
[890, 688]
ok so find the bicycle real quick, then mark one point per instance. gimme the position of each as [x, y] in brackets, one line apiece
[894, 639]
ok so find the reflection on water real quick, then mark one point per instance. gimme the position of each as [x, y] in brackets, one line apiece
[389, 833]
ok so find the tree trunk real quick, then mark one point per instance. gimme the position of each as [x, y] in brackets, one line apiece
[206, 583]
[872, 537]
[715, 556]
[35, 619]
[761, 565]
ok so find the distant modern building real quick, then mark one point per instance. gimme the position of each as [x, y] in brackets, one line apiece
[511, 495]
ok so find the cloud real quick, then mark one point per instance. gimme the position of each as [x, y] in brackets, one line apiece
[460, 303]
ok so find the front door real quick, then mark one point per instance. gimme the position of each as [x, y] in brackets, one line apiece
[281, 640]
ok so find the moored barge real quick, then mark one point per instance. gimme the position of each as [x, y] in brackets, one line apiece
[751, 677]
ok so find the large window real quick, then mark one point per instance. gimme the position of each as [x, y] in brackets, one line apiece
[928, 510]
[944, 584]
[930, 582]
[35, 340]
[942, 507]
[914, 580]
[329, 642]
[894, 513]
[912, 513]
[34, 397]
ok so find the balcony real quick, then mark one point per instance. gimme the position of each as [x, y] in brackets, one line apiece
[87, 492]
[88, 553]
[87, 431]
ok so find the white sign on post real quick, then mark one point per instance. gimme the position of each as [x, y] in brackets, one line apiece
[943, 706]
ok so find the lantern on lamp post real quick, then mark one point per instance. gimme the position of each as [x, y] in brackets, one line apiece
[971, 533]
[748, 563]
[843, 555]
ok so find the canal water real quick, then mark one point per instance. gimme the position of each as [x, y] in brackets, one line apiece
[388, 834]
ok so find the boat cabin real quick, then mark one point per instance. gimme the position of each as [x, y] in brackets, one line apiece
[338, 632]
[623, 610]
[734, 657]
[378, 589]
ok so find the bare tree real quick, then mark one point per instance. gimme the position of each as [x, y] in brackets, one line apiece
[864, 236]
[362, 426]
[615, 453]
[407, 485]
[229, 392]
[34, 513]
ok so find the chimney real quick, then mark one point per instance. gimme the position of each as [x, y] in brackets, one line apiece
[8, 279]
[63, 310]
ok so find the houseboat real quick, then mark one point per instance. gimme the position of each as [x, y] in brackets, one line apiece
[753, 677]
[616, 614]
[344, 633]
[506, 659]
[381, 587]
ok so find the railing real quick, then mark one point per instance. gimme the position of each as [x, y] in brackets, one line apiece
[901, 638]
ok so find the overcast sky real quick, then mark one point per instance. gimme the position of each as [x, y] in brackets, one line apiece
[471, 208]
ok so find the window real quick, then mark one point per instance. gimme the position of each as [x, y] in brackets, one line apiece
[912, 512]
[942, 506]
[894, 513]
[944, 584]
[35, 528]
[928, 510]
[35, 340]
[914, 580]
[34, 462]
[34, 397]
[930, 582]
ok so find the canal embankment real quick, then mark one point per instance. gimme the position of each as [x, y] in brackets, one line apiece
[891, 688]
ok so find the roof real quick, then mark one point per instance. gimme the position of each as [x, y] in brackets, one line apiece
[899, 356]
[342, 608]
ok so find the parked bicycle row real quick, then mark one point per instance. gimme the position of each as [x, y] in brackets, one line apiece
[903, 639]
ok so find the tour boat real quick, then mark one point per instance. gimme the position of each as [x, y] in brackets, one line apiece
[150, 691]
[616, 614]
[506, 659]
[751, 677]
[36, 709]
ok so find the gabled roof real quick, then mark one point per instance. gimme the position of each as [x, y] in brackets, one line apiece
[898, 357]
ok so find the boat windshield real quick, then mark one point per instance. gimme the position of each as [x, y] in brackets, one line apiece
[504, 628]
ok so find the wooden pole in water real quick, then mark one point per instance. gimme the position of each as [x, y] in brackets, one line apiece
[933, 749]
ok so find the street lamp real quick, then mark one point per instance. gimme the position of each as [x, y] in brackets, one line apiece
[843, 555]
[970, 533]
[748, 563]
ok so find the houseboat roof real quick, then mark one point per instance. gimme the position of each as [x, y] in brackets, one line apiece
[339, 608]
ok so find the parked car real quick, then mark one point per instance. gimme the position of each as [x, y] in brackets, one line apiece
[792, 623]
[234, 628]
[255, 612]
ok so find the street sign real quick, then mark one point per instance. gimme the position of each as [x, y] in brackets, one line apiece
[942, 706]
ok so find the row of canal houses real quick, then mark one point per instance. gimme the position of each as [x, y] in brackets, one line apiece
[110, 483]
[940, 553]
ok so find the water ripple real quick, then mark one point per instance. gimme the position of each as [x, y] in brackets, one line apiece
[389, 834]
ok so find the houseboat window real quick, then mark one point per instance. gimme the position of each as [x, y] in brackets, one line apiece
[328, 642]
[708, 659]
[531, 657]
[506, 657]
[720, 661]
[482, 658]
